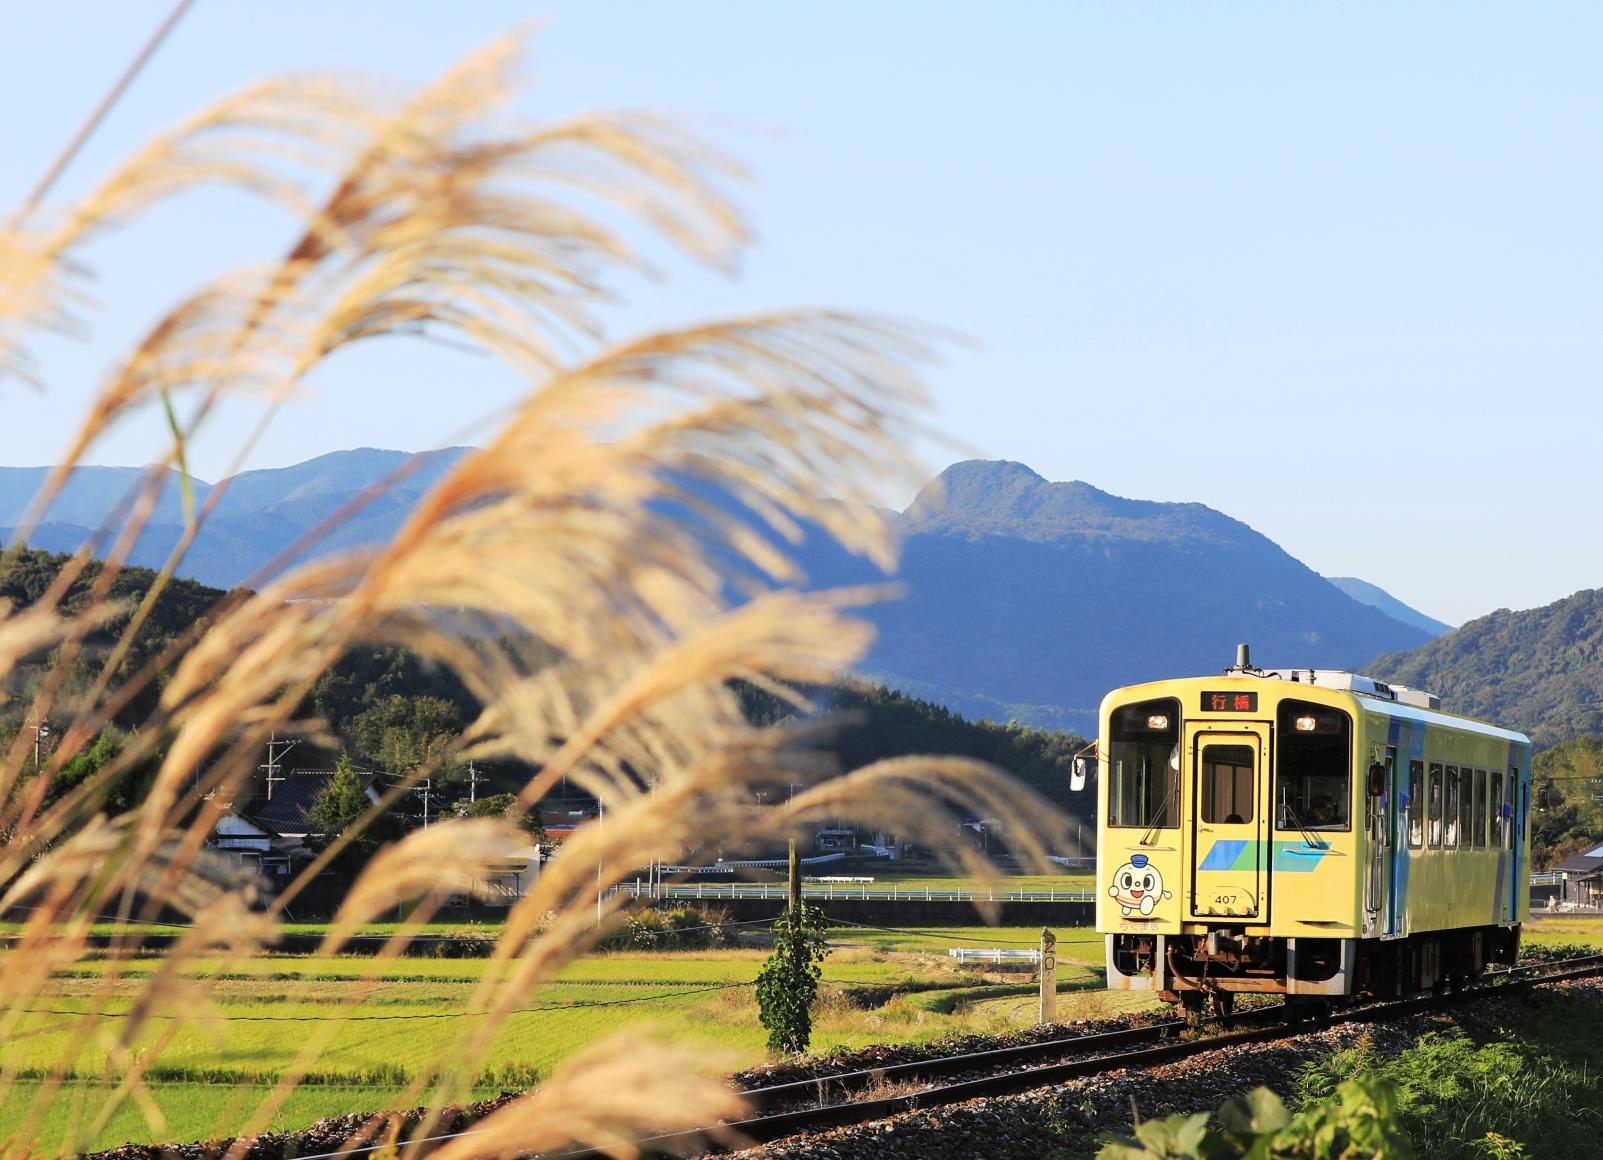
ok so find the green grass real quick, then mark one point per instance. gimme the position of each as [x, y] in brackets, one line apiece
[276, 1002]
[191, 1111]
[1550, 930]
[1529, 1078]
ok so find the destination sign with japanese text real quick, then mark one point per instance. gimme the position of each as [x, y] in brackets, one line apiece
[1229, 702]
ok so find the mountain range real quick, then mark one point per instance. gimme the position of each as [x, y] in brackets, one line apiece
[1029, 600]
[1377, 597]
[1024, 599]
[260, 517]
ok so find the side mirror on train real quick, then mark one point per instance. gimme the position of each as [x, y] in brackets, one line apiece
[1377, 779]
[1082, 770]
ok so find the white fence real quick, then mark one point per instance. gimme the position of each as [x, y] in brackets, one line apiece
[828, 891]
[996, 957]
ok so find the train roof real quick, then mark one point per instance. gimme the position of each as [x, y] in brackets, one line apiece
[1373, 696]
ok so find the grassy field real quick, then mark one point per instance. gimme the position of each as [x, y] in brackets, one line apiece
[1549, 930]
[880, 986]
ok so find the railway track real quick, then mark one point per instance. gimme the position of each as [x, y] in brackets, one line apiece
[860, 1097]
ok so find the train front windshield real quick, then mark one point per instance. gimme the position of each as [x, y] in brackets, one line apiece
[1313, 768]
[1144, 765]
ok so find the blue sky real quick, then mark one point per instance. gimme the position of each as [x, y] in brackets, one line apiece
[1332, 269]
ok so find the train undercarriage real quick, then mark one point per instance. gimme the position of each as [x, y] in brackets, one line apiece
[1202, 970]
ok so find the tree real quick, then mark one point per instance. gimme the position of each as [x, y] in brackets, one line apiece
[1566, 813]
[787, 985]
[502, 805]
[337, 811]
[402, 732]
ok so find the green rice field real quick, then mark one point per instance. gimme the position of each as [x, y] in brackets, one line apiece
[385, 1018]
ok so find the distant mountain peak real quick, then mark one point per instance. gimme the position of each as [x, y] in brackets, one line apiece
[1000, 497]
[1377, 597]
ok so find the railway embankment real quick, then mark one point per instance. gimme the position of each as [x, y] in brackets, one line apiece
[1521, 1066]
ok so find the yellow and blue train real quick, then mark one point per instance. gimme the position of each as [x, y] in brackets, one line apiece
[1305, 832]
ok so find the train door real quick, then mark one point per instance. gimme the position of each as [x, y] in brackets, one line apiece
[1397, 793]
[1380, 818]
[1230, 820]
[1519, 792]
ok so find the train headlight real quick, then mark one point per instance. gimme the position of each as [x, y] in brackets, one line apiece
[1157, 721]
[1307, 724]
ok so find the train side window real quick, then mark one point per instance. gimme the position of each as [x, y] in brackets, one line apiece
[1450, 828]
[1313, 767]
[1144, 765]
[1480, 809]
[1416, 804]
[1435, 804]
[1495, 801]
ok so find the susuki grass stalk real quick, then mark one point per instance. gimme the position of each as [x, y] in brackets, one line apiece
[626, 529]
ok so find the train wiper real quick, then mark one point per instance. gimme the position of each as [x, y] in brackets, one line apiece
[1287, 812]
[1152, 823]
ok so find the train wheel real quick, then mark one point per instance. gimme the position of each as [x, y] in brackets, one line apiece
[1301, 1010]
[1224, 1004]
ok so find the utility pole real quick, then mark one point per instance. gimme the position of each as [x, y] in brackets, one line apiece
[40, 732]
[274, 753]
[428, 784]
[473, 782]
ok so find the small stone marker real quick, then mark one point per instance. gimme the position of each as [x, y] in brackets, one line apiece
[1049, 976]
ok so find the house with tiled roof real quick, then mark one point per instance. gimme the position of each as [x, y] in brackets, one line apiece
[269, 831]
[1581, 878]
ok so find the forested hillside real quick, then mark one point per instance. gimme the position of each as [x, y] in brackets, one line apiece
[1566, 800]
[182, 608]
[1539, 670]
[873, 723]
[386, 709]
[389, 711]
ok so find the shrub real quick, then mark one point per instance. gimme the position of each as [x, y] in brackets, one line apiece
[1554, 952]
[1358, 1121]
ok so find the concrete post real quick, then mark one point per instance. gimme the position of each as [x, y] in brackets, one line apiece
[1049, 976]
